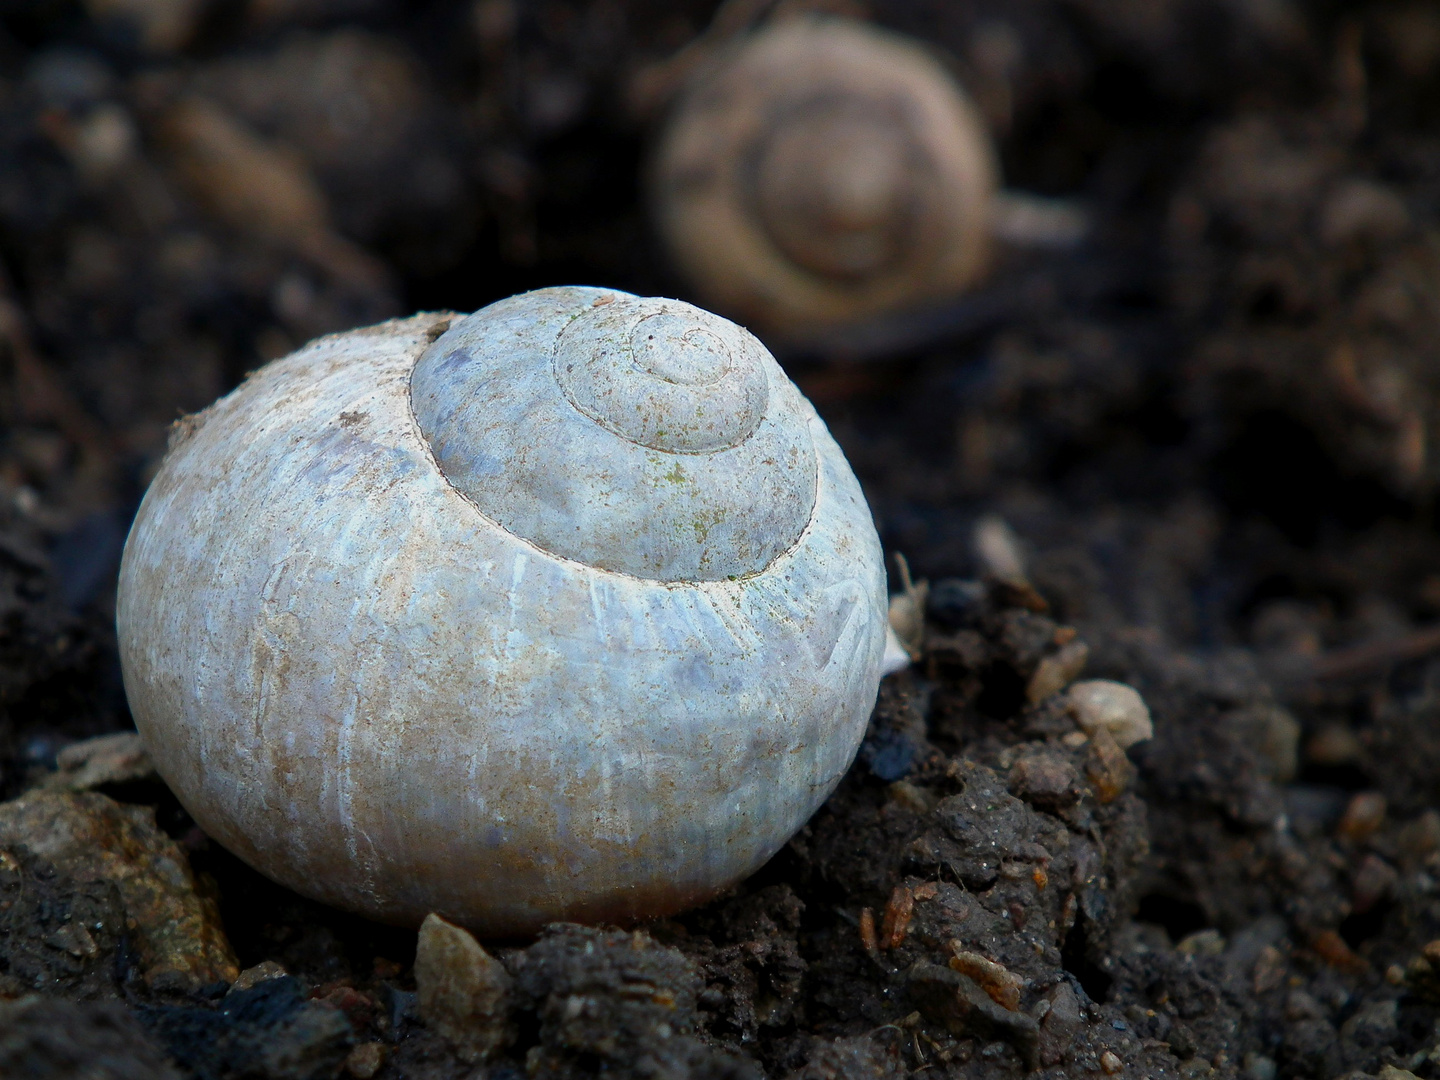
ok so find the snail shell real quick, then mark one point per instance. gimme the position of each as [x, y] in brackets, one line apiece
[572, 609]
[824, 171]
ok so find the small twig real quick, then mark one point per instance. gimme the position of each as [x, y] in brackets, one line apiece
[907, 585]
[1060, 282]
[1358, 660]
[655, 84]
[887, 336]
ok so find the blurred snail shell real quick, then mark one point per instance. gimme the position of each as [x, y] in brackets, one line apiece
[570, 608]
[823, 171]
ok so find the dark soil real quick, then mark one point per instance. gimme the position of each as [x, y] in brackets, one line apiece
[1211, 425]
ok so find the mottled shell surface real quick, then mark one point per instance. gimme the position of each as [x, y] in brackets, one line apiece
[824, 171]
[571, 608]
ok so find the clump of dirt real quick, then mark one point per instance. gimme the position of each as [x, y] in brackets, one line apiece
[967, 900]
[58, 1037]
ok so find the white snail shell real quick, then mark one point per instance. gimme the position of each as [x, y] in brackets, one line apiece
[571, 610]
[824, 171]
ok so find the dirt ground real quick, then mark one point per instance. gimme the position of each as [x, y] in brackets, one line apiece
[1205, 433]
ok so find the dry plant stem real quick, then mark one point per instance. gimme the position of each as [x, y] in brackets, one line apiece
[262, 189]
[877, 339]
[654, 85]
[1373, 656]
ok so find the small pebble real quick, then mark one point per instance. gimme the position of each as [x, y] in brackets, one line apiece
[1363, 816]
[359, 1008]
[1275, 734]
[1106, 766]
[1359, 209]
[868, 941]
[1044, 778]
[1002, 985]
[74, 939]
[1332, 948]
[365, 1060]
[895, 922]
[1114, 706]
[1302, 1006]
[1057, 671]
[913, 798]
[997, 549]
[464, 992]
[1110, 1062]
[1334, 745]
[1207, 942]
[175, 934]
[1420, 838]
[1373, 881]
[254, 976]
[1270, 970]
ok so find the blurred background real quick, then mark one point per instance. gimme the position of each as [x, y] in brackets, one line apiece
[1147, 289]
[1131, 307]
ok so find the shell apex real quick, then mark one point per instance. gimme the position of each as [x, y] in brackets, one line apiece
[638, 435]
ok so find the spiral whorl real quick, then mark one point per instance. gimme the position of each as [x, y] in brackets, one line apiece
[822, 171]
[842, 187]
[664, 375]
[631, 434]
